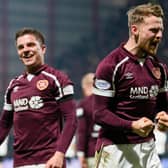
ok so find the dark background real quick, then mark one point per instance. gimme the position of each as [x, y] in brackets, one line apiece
[79, 33]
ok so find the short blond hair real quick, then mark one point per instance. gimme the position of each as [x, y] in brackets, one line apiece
[137, 14]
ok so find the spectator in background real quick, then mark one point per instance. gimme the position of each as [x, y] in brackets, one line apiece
[39, 105]
[87, 130]
[130, 94]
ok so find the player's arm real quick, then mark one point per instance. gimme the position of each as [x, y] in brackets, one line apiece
[104, 103]
[105, 117]
[162, 115]
[6, 118]
[104, 91]
[82, 131]
[162, 103]
[162, 98]
[67, 107]
[6, 121]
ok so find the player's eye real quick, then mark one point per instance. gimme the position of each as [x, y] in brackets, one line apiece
[19, 47]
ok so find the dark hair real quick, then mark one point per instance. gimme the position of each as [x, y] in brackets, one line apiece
[39, 36]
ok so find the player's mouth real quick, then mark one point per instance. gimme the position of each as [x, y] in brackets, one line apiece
[154, 44]
[27, 55]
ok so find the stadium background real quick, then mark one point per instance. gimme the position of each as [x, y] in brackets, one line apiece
[79, 33]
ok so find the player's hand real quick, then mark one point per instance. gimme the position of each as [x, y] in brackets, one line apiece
[56, 161]
[162, 121]
[142, 127]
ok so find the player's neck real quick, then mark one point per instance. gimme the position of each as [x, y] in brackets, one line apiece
[33, 69]
[134, 49]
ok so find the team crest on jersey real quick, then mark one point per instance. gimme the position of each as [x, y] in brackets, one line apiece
[156, 72]
[42, 84]
[102, 84]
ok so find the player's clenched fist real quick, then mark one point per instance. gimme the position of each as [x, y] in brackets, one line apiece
[142, 127]
[162, 121]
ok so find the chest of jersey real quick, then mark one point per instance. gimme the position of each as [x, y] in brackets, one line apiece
[33, 94]
[137, 81]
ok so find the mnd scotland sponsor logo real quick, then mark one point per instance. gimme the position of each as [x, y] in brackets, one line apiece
[35, 102]
[144, 92]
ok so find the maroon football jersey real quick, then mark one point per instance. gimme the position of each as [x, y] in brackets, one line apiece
[125, 89]
[37, 104]
[87, 130]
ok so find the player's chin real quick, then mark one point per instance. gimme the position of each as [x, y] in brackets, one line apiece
[152, 52]
[28, 64]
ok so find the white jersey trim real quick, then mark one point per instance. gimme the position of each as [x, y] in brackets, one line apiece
[79, 112]
[116, 69]
[165, 88]
[80, 154]
[161, 90]
[8, 107]
[68, 90]
[5, 96]
[106, 93]
[56, 82]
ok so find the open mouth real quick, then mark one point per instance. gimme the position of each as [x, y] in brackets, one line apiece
[27, 55]
[154, 44]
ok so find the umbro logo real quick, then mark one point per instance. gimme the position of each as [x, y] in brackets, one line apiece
[128, 75]
[15, 89]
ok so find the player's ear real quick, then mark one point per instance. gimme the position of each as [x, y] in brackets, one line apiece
[44, 48]
[134, 29]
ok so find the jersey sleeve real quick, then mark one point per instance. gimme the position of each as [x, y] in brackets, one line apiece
[70, 123]
[63, 91]
[81, 131]
[104, 98]
[6, 119]
[5, 124]
[65, 86]
[162, 98]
